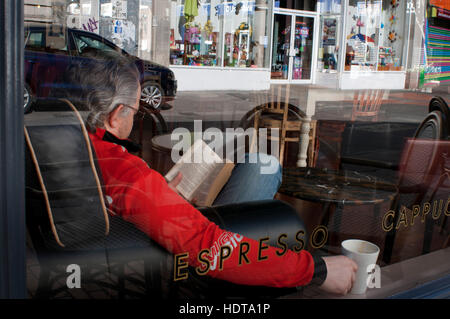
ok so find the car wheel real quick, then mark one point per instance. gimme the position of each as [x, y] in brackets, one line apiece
[27, 99]
[152, 94]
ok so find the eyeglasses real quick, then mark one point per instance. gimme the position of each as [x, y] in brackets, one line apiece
[138, 113]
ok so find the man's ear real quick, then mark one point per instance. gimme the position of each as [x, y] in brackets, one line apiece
[113, 120]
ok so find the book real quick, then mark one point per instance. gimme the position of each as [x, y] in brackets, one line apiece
[204, 174]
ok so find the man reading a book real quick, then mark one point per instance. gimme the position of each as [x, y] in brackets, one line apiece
[111, 92]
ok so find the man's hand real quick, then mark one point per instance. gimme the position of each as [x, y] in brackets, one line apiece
[173, 183]
[341, 273]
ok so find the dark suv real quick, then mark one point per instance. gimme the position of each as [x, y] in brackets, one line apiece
[49, 50]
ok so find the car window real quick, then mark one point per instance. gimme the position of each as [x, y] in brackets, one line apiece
[35, 41]
[56, 43]
[47, 41]
[85, 43]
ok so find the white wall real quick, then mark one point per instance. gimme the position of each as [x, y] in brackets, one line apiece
[373, 80]
[328, 80]
[203, 79]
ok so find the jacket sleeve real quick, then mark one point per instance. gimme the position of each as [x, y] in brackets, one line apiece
[175, 224]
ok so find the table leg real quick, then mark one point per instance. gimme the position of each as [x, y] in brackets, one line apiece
[328, 211]
[326, 214]
[337, 218]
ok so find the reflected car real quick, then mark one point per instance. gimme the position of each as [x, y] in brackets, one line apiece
[49, 50]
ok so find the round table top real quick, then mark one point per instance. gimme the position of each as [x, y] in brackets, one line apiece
[346, 188]
[164, 141]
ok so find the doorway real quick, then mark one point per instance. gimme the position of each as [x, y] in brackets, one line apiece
[293, 48]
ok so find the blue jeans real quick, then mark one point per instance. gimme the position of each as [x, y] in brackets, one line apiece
[258, 178]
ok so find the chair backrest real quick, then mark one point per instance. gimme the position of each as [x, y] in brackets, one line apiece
[437, 103]
[63, 185]
[420, 158]
[278, 114]
[367, 104]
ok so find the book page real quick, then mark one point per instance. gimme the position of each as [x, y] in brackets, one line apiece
[196, 166]
[204, 189]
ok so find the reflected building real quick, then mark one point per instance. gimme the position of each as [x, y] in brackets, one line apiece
[251, 44]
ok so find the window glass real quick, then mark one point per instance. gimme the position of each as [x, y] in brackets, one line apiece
[392, 36]
[195, 33]
[295, 4]
[49, 40]
[245, 34]
[375, 35]
[35, 41]
[356, 163]
[200, 35]
[84, 43]
[363, 30]
[329, 43]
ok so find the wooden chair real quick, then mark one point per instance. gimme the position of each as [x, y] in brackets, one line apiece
[283, 116]
[367, 104]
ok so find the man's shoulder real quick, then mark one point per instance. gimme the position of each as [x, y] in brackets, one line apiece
[117, 155]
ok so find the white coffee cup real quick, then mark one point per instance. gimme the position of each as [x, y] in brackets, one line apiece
[364, 253]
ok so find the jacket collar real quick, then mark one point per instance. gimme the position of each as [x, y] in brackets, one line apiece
[106, 136]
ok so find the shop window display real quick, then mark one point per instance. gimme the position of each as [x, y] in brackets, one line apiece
[240, 38]
[374, 35]
[204, 31]
[194, 33]
[329, 43]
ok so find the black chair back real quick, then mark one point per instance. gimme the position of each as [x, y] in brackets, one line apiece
[419, 174]
[437, 103]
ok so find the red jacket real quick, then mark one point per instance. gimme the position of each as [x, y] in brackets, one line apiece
[142, 196]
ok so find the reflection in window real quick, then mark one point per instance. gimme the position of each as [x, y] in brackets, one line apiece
[374, 34]
[329, 43]
[194, 33]
[35, 41]
[84, 43]
[202, 32]
[240, 48]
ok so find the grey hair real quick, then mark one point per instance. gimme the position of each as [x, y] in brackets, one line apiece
[103, 81]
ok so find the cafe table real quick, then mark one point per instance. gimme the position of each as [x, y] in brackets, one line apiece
[336, 189]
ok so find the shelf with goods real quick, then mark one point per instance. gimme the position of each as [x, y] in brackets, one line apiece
[238, 47]
[387, 60]
[197, 49]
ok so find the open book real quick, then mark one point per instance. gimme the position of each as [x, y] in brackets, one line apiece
[204, 174]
